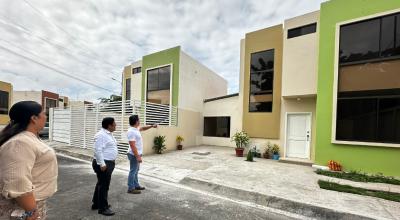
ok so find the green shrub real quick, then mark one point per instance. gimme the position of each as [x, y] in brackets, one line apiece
[159, 144]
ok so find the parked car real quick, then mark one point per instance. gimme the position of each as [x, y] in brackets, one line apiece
[45, 131]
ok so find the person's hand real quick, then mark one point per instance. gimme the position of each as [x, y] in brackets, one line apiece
[139, 159]
[103, 168]
[155, 125]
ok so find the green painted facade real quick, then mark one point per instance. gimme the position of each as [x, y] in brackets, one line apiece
[369, 159]
[162, 58]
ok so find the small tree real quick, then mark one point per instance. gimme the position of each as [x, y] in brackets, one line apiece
[250, 156]
[159, 144]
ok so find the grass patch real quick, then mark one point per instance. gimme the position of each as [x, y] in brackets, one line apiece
[360, 191]
[360, 177]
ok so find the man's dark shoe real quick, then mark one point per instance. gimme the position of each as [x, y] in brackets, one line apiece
[134, 191]
[94, 207]
[140, 188]
[106, 212]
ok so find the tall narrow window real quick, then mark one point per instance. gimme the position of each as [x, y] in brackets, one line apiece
[368, 104]
[158, 85]
[128, 89]
[4, 102]
[261, 81]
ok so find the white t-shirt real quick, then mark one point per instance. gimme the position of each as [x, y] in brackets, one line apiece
[134, 135]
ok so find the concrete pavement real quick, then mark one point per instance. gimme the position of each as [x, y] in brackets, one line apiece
[160, 200]
[268, 183]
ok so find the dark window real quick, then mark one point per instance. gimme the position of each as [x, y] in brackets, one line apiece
[370, 40]
[261, 81]
[128, 89]
[217, 126]
[303, 30]
[368, 105]
[136, 70]
[158, 79]
[4, 102]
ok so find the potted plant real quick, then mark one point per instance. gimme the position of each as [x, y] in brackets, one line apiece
[241, 140]
[256, 152]
[275, 152]
[267, 151]
[159, 144]
[179, 140]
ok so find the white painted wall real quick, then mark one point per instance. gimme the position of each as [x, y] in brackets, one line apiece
[300, 58]
[27, 96]
[197, 82]
[224, 107]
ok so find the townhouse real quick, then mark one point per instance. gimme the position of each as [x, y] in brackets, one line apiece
[6, 94]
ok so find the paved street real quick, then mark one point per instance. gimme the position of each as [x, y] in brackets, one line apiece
[159, 201]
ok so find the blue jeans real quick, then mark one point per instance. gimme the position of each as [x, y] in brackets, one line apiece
[133, 181]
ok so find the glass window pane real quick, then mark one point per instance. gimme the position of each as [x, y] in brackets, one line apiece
[397, 49]
[164, 77]
[128, 89]
[359, 41]
[217, 127]
[4, 104]
[389, 120]
[356, 120]
[152, 80]
[296, 32]
[260, 107]
[262, 61]
[387, 36]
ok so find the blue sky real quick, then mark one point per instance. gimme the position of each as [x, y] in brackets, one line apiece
[93, 40]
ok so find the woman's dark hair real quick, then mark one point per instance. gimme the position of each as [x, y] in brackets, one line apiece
[20, 117]
[133, 119]
[107, 122]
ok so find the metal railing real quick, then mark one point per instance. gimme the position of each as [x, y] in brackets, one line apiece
[77, 125]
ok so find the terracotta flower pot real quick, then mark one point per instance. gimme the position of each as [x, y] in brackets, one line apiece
[179, 147]
[266, 155]
[239, 152]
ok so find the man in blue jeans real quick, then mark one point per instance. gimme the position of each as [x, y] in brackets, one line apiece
[135, 153]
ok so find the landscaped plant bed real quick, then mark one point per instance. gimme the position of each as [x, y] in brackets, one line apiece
[359, 177]
[360, 191]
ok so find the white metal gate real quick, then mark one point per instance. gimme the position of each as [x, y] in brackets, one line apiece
[77, 126]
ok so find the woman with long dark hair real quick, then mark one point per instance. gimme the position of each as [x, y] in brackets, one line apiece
[28, 167]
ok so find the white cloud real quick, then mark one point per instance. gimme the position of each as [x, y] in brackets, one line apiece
[99, 37]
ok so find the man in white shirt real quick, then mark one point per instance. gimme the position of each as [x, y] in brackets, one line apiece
[135, 152]
[105, 154]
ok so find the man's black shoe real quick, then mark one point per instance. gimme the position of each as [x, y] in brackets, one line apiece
[140, 188]
[94, 207]
[106, 212]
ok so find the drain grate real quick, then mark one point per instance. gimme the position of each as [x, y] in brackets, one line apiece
[202, 153]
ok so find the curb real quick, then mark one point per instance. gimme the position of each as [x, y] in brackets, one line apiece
[299, 208]
[73, 154]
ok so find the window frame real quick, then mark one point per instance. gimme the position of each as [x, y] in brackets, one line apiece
[262, 92]
[136, 68]
[170, 80]
[336, 66]
[128, 88]
[229, 126]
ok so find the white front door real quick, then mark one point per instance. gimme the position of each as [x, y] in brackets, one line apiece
[298, 135]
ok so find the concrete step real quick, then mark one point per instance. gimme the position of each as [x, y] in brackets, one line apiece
[296, 161]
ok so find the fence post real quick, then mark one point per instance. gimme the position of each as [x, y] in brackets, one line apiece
[122, 117]
[169, 115]
[51, 125]
[145, 113]
[97, 118]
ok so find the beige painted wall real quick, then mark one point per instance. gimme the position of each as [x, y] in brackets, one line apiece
[224, 107]
[196, 83]
[298, 105]
[190, 127]
[263, 124]
[300, 58]
[7, 87]
[136, 83]
[27, 96]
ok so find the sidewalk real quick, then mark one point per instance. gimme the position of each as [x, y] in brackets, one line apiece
[288, 187]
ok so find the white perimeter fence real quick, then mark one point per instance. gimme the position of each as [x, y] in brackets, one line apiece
[76, 126]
